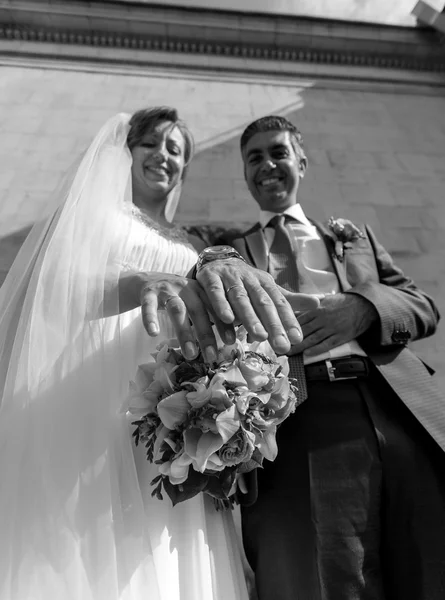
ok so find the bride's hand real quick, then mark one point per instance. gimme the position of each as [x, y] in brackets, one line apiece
[186, 303]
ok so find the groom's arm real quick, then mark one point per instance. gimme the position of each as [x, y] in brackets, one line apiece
[388, 312]
[406, 313]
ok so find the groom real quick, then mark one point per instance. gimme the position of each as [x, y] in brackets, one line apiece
[353, 508]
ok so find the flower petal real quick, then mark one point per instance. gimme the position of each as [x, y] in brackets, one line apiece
[177, 470]
[173, 410]
[267, 444]
[145, 375]
[200, 446]
[200, 397]
[234, 375]
[161, 434]
[228, 423]
[162, 375]
[283, 362]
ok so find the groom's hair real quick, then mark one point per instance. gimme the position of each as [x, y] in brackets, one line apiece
[145, 120]
[274, 123]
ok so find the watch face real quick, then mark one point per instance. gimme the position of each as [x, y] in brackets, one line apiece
[217, 250]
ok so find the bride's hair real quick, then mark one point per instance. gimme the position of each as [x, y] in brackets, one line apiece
[146, 120]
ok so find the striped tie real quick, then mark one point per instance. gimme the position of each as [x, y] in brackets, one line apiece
[283, 268]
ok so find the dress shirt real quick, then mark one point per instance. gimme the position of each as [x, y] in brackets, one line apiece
[314, 265]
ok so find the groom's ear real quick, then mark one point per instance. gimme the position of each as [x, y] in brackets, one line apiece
[302, 166]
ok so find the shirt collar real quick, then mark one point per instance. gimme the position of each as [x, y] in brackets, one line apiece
[295, 211]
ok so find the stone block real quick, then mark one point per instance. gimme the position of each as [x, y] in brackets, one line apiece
[340, 159]
[399, 243]
[417, 163]
[405, 194]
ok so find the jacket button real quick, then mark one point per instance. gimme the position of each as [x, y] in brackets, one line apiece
[401, 336]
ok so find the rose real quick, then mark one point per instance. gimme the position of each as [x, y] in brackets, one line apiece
[238, 449]
[202, 446]
[346, 233]
[345, 230]
[256, 373]
[267, 411]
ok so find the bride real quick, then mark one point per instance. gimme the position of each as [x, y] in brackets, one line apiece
[77, 521]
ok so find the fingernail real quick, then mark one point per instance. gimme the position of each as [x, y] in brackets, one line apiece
[230, 337]
[258, 329]
[190, 350]
[152, 329]
[295, 334]
[210, 354]
[227, 316]
[280, 340]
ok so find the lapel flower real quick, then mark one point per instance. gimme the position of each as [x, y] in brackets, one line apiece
[346, 232]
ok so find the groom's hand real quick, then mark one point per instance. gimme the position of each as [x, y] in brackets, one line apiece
[340, 318]
[239, 293]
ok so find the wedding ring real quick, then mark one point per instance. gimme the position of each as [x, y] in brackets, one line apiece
[234, 286]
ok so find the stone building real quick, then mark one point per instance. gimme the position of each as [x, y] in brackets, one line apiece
[366, 87]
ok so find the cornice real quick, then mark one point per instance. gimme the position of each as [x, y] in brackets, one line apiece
[266, 38]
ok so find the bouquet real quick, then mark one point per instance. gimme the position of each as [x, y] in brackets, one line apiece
[203, 425]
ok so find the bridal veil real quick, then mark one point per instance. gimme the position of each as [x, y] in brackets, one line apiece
[73, 523]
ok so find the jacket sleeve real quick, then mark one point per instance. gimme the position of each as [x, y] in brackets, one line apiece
[406, 312]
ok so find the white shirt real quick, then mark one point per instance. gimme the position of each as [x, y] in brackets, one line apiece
[318, 275]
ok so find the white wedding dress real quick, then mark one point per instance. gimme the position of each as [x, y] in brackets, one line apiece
[77, 521]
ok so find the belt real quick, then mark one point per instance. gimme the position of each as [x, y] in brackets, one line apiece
[338, 369]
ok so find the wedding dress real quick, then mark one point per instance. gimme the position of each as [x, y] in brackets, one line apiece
[77, 520]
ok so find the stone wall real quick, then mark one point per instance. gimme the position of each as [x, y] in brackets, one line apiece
[375, 156]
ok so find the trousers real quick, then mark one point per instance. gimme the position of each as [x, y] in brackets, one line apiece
[353, 507]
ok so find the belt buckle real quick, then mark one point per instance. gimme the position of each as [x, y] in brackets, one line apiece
[331, 372]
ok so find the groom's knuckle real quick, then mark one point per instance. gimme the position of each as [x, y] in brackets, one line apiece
[274, 329]
[176, 306]
[267, 280]
[213, 288]
[239, 294]
[280, 301]
[264, 301]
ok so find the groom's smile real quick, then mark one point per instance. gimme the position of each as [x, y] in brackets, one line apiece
[273, 169]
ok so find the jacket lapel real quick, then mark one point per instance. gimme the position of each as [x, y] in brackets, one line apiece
[257, 247]
[339, 267]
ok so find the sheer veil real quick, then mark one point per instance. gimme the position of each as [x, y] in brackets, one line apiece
[71, 515]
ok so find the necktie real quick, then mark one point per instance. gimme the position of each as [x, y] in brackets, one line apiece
[283, 268]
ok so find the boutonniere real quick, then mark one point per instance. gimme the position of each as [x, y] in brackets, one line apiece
[346, 232]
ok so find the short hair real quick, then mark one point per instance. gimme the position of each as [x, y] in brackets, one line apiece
[146, 120]
[274, 123]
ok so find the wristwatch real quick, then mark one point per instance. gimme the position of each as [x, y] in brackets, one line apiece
[216, 253]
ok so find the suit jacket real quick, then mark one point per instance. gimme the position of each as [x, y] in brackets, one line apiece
[406, 313]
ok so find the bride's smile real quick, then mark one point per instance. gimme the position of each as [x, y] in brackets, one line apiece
[158, 162]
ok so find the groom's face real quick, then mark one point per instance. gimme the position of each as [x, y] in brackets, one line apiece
[273, 169]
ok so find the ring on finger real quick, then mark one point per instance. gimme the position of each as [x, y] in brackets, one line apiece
[234, 286]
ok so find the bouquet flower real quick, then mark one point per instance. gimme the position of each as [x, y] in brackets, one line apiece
[202, 424]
